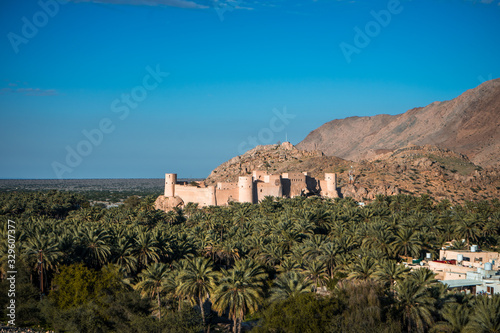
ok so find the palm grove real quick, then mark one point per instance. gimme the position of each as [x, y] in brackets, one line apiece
[283, 265]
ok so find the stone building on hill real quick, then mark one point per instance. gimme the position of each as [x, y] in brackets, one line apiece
[250, 188]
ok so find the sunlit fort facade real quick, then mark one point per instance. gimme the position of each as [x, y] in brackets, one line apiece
[249, 188]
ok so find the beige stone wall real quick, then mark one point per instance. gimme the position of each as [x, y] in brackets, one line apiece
[294, 184]
[273, 179]
[259, 175]
[312, 184]
[295, 177]
[322, 186]
[226, 186]
[250, 189]
[203, 196]
[266, 189]
[223, 196]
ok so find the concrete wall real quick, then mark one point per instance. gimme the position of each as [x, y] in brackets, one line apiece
[448, 271]
[452, 276]
[477, 259]
[438, 266]
[493, 286]
[203, 196]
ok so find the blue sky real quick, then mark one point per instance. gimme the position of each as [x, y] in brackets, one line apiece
[134, 89]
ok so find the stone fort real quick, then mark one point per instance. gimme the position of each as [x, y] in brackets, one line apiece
[249, 188]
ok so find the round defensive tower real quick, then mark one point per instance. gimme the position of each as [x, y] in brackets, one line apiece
[245, 189]
[331, 185]
[170, 181]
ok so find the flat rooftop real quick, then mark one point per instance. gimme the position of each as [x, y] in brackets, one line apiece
[461, 283]
[469, 251]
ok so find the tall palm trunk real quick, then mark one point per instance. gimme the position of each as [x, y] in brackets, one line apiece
[409, 320]
[235, 324]
[240, 320]
[159, 305]
[202, 310]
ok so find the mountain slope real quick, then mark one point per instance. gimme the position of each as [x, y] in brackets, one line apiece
[468, 124]
[415, 170]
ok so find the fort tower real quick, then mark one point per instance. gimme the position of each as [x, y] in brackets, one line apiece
[245, 189]
[331, 185]
[170, 181]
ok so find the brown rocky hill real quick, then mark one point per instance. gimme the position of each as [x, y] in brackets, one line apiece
[468, 124]
[276, 159]
[416, 170]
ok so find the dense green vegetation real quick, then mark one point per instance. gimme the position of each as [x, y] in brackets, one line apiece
[284, 265]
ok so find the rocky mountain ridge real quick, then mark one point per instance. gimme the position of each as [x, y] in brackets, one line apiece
[468, 124]
[415, 170]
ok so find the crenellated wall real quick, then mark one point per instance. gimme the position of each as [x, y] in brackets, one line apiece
[295, 184]
[203, 196]
[251, 189]
[270, 187]
[224, 196]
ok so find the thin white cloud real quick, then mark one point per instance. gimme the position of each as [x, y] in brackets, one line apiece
[170, 3]
[29, 91]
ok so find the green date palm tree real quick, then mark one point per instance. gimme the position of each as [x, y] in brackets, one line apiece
[390, 272]
[415, 304]
[456, 319]
[406, 242]
[486, 316]
[196, 281]
[152, 282]
[289, 284]
[240, 290]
